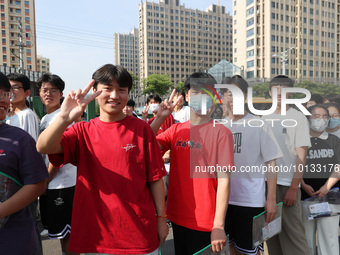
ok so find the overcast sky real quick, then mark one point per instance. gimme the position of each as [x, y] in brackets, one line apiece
[77, 35]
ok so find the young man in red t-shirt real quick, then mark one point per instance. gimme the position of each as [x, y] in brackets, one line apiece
[197, 198]
[119, 197]
[152, 105]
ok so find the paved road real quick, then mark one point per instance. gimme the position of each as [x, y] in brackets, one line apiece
[52, 247]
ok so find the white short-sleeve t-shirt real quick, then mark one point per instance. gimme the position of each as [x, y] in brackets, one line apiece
[67, 175]
[254, 144]
[182, 115]
[26, 120]
[289, 138]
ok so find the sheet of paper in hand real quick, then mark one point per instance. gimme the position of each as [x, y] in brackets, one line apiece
[262, 230]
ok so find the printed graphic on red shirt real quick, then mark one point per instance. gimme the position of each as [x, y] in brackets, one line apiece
[191, 198]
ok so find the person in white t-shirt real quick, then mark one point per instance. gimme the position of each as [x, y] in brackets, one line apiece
[56, 206]
[20, 115]
[254, 145]
[334, 121]
[181, 113]
[292, 133]
[23, 117]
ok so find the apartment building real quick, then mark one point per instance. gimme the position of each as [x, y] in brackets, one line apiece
[177, 40]
[126, 50]
[300, 35]
[43, 64]
[18, 33]
[126, 53]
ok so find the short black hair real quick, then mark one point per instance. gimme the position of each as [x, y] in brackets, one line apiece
[53, 79]
[20, 78]
[155, 97]
[317, 98]
[311, 108]
[108, 73]
[199, 80]
[281, 80]
[130, 102]
[336, 105]
[180, 92]
[238, 81]
[4, 82]
[333, 98]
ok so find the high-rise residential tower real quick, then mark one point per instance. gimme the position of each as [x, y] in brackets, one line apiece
[126, 53]
[126, 50]
[178, 40]
[18, 34]
[43, 64]
[299, 36]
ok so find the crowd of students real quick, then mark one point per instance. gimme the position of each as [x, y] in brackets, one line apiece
[129, 178]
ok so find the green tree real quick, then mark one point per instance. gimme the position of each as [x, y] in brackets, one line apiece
[97, 108]
[180, 85]
[314, 88]
[135, 80]
[157, 84]
[261, 90]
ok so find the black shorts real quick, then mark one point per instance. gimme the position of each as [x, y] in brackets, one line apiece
[59, 212]
[188, 241]
[239, 226]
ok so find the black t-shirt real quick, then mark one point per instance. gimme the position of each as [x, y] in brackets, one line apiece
[322, 157]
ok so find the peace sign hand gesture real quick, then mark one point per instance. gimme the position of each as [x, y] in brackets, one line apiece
[167, 106]
[145, 112]
[75, 103]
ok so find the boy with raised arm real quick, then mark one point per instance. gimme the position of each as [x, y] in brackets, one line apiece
[119, 197]
[197, 198]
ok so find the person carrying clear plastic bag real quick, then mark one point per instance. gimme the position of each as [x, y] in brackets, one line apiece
[321, 174]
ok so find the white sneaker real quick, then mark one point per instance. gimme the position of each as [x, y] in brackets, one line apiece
[44, 233]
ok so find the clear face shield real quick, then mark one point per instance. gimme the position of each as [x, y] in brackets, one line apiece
[8, 187]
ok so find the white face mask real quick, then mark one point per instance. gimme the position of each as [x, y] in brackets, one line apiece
[319, 125]
[153, 108]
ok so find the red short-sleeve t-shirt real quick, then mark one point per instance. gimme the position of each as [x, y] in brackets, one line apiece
[165, 125]
[192, 191]
[113, 210]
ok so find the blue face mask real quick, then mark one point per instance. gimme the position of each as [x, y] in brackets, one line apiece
[333, 123]
[319, 125]
[196, 102]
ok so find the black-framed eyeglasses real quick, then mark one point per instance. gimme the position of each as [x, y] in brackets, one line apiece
[51, 91]
[16, 87]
